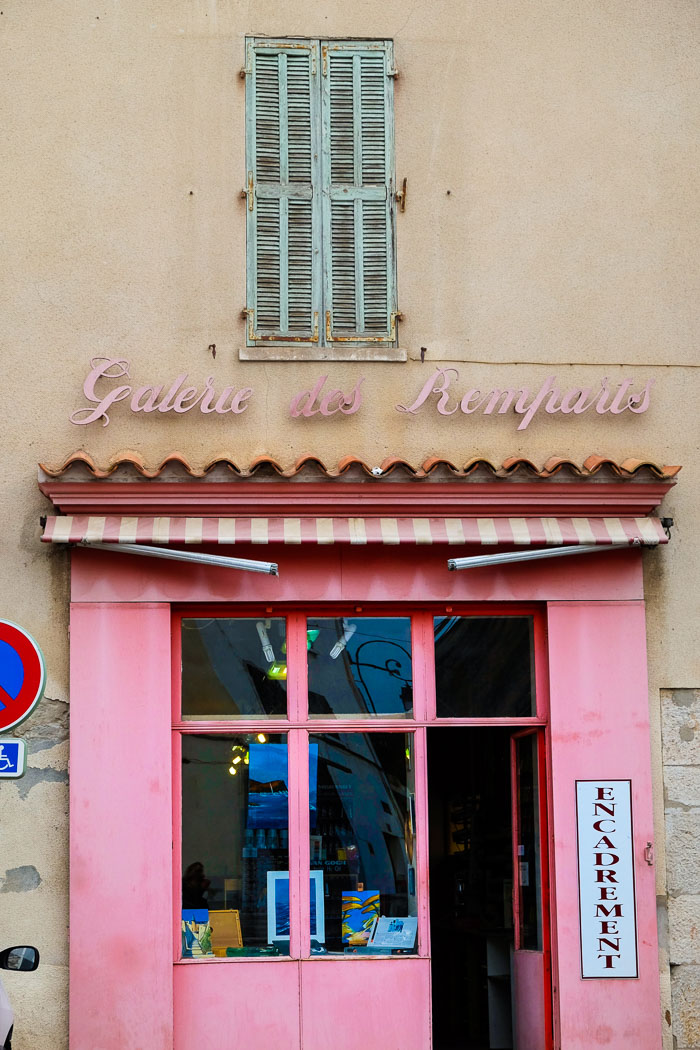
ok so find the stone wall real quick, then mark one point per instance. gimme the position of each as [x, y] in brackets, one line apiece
[681, 751]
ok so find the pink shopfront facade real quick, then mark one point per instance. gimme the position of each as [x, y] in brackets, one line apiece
[367, 802]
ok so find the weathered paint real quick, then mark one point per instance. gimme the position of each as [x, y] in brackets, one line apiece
[121, 823]
[247, 1004]
[528, 1007]
[600, 728]
[341, 574]
[389, 1003]
[121, 766]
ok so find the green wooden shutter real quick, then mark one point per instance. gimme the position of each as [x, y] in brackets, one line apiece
[358, 192]
[283, 199]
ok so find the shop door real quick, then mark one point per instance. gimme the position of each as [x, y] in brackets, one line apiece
[489, 943]
[531, 966]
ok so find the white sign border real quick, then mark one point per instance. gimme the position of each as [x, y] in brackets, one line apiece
[21, 757]
[607, 976]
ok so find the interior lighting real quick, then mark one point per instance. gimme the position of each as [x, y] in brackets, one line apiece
[348, 631]
[277, 671]
[268, 651]
[232, 770]
[261, 738]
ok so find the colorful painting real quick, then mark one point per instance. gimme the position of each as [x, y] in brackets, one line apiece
[360, 910]
[196, 933]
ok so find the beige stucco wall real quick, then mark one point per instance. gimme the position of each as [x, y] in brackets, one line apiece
[551, 152]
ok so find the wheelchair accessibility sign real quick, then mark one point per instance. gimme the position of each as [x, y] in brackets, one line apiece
[13, 757]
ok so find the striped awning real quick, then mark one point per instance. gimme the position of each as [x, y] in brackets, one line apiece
[519, 532]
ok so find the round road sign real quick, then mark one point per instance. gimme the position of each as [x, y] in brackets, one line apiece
[22, 675]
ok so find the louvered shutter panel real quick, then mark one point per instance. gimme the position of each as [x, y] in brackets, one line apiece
[358, 192]
[283, 198]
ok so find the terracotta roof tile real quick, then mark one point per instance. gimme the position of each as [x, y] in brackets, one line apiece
[511, 466]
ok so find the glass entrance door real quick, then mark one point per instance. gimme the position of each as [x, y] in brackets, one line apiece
[531, 955]
[490, 970]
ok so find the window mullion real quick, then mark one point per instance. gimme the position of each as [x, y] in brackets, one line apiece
[299, 903]
[421, 858]
[423, 667]
[299, 891]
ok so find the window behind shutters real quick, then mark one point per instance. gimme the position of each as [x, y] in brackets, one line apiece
[283, 192]
[320, 193]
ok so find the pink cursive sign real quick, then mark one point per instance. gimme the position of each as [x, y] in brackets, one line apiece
[319, 400]
[602, 398]
[179, 397]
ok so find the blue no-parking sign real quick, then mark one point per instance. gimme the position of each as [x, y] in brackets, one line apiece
[13, 757]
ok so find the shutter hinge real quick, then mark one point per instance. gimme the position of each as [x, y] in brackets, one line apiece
[249, 315]
[249, 192]
[248, 67]
[400, 195]
[392, 72]
[390, 338]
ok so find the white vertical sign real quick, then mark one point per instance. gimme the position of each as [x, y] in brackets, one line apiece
[606, 878]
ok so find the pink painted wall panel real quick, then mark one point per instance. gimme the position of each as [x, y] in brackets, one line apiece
[600, 728]
[355, 574]
[237, 1004]
[121, 820]
[365, 1004]
[528, 1004]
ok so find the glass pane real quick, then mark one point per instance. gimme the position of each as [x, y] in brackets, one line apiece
[360, 666]
[235, 837]
[234, 668]
[362, 817]
[528, 843]
[484, 666]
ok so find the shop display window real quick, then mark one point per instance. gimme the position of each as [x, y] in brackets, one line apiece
[235, 835]
[358, 697]
[360, 666]
[234, 668]
[484, 666]
[362, 822]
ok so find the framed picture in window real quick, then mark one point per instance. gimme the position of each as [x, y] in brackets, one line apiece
[278, 907]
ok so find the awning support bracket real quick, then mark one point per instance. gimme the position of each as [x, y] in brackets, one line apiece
[480, 561]
[271, 568]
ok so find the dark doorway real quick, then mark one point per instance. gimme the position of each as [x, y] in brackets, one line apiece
[471, 872]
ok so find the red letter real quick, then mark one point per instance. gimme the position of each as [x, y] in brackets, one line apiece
[600, 909]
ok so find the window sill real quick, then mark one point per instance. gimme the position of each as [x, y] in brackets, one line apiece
[297, 352]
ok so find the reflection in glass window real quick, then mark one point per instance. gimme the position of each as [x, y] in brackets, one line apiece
[528, 828]
[362, 817]
[484, 666]
[234, 667]
[235, 833]
[360, 666]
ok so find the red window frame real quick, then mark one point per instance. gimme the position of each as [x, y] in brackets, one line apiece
[298, 725]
